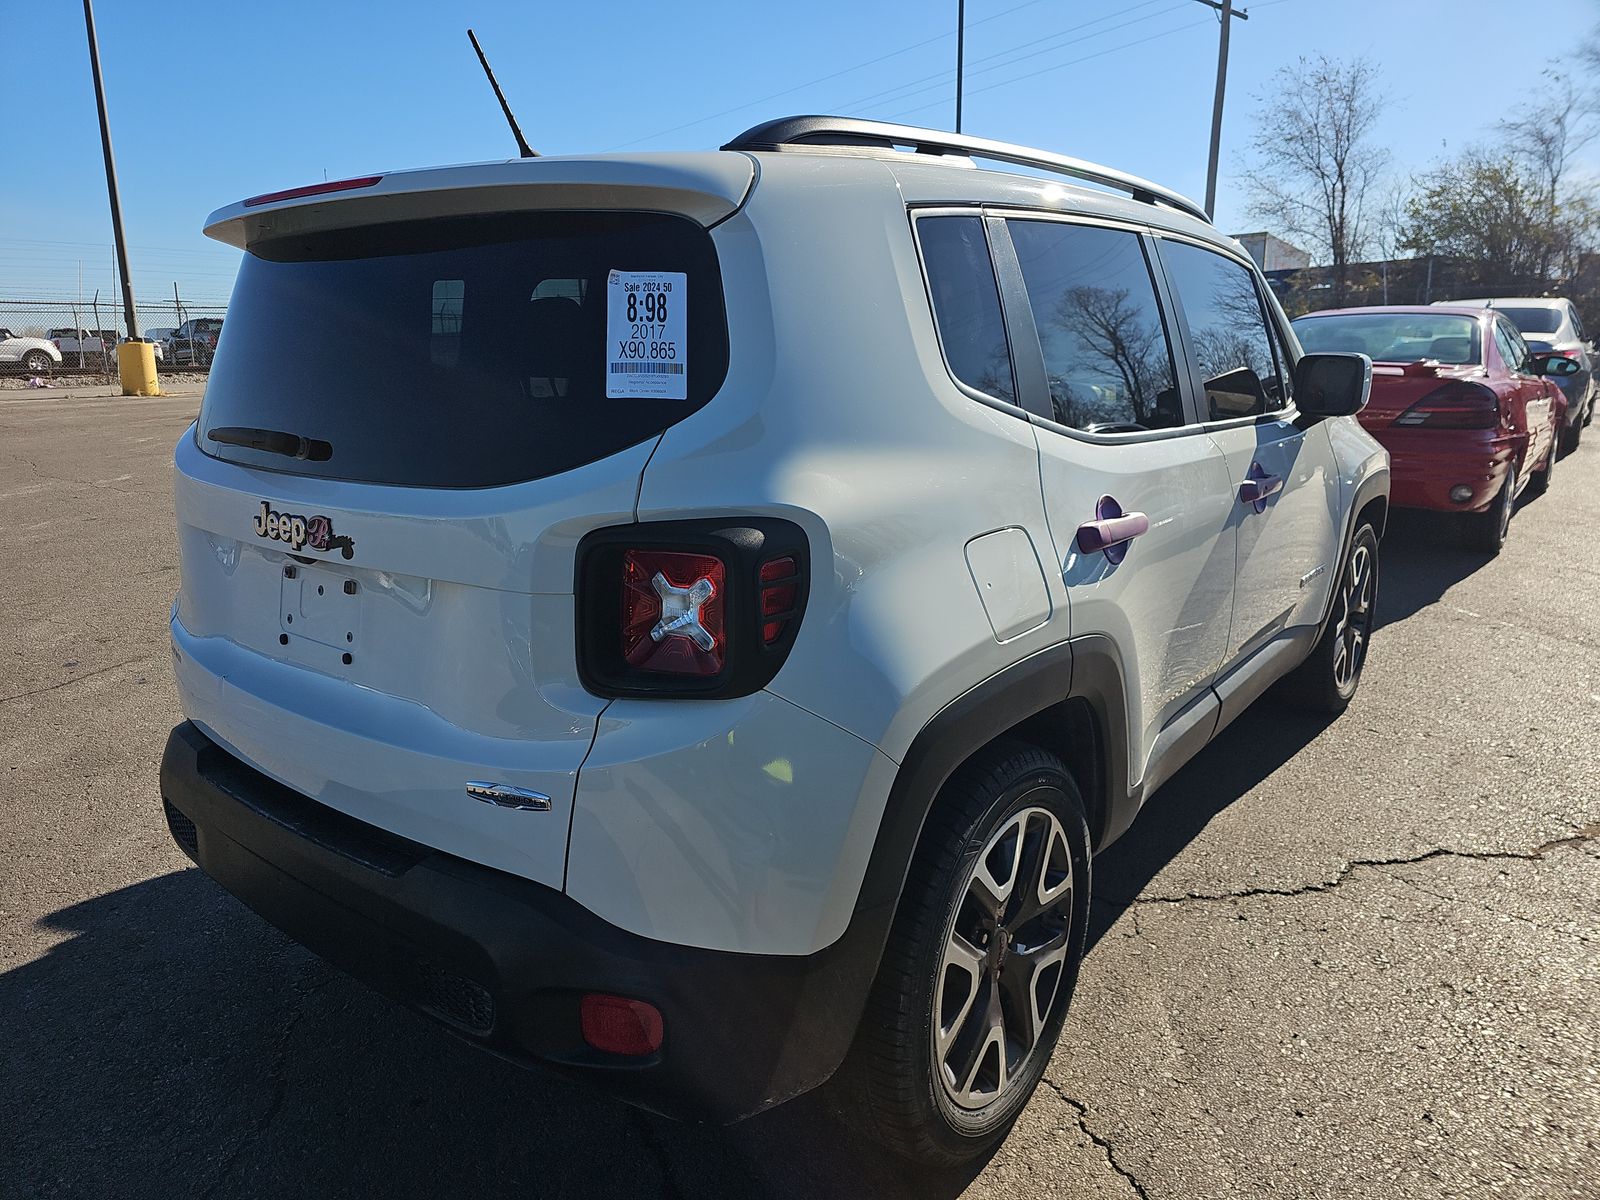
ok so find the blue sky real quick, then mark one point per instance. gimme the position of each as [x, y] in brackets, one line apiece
[222, 101]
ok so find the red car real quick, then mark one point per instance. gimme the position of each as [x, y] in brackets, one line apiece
[1460, 403]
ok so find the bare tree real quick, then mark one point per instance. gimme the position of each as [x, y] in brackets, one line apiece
[1545, 134]
[1542, 138]
[1389, 227]
[1315, 158]
[1116, 339]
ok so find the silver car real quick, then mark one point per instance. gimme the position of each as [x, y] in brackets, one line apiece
[1551, 324]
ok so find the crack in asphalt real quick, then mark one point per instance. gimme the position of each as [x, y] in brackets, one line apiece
[1578, 838]
[50, 687]
[1081, 1113]
[280, 1085]
[1496, 912]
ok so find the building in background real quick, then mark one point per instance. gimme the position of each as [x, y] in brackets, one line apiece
[1273, 253]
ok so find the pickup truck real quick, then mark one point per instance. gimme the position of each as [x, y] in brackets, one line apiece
[194, 342]
[92, 343]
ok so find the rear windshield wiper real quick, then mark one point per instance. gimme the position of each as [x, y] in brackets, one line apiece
[273, 441]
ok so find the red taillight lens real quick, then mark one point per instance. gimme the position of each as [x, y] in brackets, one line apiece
[780, 579]
[618, 1025]
[1454, 406]
[673, 612]
[313, 189]
[1572, 354]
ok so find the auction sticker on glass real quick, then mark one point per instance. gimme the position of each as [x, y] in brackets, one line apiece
[647, 344]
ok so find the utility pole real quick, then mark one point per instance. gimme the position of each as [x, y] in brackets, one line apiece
[1227, 13]
[111, 175]
[961, 50]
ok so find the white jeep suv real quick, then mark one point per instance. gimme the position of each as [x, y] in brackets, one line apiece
[701, 639]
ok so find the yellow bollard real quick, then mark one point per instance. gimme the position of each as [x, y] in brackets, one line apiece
[136, 364]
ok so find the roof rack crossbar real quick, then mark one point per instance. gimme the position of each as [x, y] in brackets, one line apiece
[792, 132]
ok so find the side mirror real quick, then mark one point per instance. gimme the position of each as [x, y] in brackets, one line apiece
[1332, 385]
[1553, 364]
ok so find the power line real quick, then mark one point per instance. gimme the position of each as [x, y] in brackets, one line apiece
[1059, 66]
[799, 87]
[1034, 46]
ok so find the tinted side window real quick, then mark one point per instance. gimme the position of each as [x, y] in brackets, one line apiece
[1227, 330]
[966, 304]
[1105, 347]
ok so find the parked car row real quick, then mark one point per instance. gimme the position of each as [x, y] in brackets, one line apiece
[194, 343]
[1473, 413]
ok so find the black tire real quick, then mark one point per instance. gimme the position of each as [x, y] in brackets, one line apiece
[37, 362]
[898, 1083]
[1327, 680]
[1486, 532]
[1539, 481]
[1571, 436]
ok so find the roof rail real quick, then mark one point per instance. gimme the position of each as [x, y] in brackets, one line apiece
[787, 133]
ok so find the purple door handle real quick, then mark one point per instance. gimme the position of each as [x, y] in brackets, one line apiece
[1258, 487]
[1111, 530]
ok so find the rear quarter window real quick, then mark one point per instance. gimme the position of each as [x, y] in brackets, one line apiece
[463, 352]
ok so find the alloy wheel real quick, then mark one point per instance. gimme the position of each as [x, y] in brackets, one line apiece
[1350, 632]
[1004, 958]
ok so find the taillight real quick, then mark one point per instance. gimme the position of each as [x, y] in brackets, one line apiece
[1456, 405]
[313, 189]
[672, 612]
[779, 589]
[1572, 354]
[703, 608]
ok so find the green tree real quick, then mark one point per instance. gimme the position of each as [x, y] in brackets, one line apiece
[1498, 216]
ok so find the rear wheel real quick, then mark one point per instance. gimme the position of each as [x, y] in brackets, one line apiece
[37, 362]
[1486, 531]
[1327, 680]
[981, 962]
[1571, 436]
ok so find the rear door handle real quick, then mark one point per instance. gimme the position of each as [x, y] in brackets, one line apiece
[1111, 530]
[1258, 487]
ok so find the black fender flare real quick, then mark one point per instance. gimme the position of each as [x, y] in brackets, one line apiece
[1375, 486]
[1089, 668]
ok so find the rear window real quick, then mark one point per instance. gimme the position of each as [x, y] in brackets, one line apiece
[1394, 337]
[1533, 320]
[469, 351]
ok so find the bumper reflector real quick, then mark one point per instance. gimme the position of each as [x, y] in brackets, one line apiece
[618, 1025]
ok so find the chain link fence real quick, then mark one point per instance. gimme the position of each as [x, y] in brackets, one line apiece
[87, 332]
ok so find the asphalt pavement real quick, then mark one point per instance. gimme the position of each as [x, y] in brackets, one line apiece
[1331, 959]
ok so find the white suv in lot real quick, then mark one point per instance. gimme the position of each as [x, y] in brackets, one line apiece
[702, 638]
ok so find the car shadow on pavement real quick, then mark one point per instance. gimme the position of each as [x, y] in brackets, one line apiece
[171, 1042]
[1262, 739]
[1422, 557]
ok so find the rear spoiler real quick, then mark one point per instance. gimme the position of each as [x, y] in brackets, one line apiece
[705, 187]
[1422, 368]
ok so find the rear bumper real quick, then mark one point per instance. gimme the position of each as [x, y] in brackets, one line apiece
[1425, 466]
[502, 961]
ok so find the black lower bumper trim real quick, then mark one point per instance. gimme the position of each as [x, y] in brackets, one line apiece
[503, 961]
